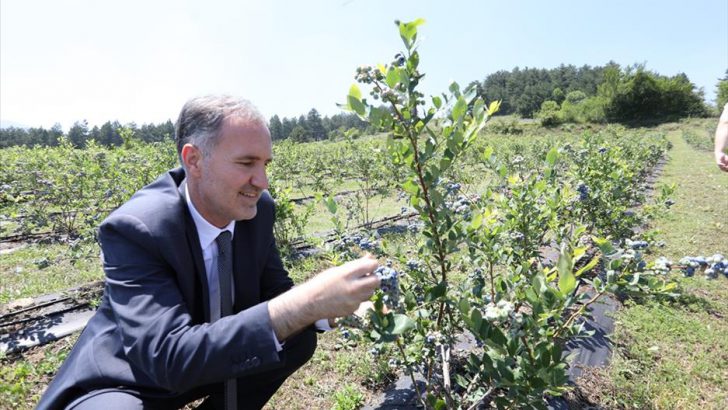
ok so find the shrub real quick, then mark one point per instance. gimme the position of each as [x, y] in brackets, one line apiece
[549, 114]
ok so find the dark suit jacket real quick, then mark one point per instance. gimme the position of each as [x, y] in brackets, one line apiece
[151, 334]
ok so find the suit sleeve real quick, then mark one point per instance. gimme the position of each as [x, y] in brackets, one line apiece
[155, 326]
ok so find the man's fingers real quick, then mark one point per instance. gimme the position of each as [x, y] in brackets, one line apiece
[360, 267]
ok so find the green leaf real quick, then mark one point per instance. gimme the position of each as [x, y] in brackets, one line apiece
[353, 101]
[589, 266]
[437, 101]
[477, 222]
[355, 92]
[464, 306]
[478, 110]
[488, 153]
[604, 244]
[459, 109]
[476, 319]
[409, 30]
[376, 115]
[411, 187]
[330, 204]
[402, 323]
[493, 107]
[567, 280]
[552, 156]
[356, 106]
[392, 77]
[435, 292]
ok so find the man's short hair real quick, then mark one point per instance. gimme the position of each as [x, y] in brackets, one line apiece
[201, 119]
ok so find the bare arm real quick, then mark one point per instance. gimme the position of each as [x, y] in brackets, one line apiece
[332, 293]
[721, 140]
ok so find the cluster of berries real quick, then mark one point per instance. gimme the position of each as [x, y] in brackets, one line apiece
[389, 284]
[452, 188]
[517, 160]
[637, 245]
[414, 264]
[498, 311]
[583, 191]
[358, 240]
[367, 74]
[432, 338]
[460, 206]
[689, 265]
[399, 60]
[415, 227]
[713, 266]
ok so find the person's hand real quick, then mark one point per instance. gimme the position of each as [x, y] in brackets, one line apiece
[721, 160]
[335, 292]
[339, 291]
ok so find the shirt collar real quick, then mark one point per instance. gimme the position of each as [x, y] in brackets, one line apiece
[206, 231]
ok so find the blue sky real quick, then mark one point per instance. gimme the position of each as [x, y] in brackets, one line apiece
[63, 61]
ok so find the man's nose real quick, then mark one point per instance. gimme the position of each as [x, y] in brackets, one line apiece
[260, 179]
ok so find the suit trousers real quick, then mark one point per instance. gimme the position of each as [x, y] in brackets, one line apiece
[254, 391]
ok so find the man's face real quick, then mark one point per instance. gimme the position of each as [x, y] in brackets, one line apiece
[230, 180]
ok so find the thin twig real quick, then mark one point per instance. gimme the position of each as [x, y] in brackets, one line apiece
[480, 400]
[411, 374]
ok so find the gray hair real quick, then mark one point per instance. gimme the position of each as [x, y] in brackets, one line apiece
[201, 119]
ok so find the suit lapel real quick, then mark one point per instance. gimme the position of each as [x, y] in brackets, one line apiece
[193, 241]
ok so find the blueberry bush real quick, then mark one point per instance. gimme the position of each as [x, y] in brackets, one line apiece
[481, 268]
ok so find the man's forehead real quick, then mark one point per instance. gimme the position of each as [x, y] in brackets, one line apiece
[247, 139]
[239, 120]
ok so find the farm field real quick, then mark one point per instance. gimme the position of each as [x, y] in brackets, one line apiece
[670, 351]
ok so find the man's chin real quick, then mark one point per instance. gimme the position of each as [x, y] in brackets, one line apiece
[248, 213]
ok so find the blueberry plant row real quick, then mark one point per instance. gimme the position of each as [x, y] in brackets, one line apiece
[478, 265]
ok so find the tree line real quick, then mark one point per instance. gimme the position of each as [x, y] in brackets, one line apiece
[563, 94]
[608, 93]
[311, 127]
[108, 134]
[522, 91]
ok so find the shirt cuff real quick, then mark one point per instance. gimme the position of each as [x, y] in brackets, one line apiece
[322, 324]
[279, 345]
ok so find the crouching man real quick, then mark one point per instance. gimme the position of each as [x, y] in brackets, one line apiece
[197, 302]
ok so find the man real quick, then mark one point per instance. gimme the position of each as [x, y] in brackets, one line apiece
[721, 140]
[161, 337]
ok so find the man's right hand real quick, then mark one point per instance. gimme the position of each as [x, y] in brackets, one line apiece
[335, 292]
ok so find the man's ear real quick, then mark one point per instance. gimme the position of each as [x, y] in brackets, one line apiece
[192, 158]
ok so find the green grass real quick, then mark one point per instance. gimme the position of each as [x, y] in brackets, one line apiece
[379, 207]
[334, 378]
[696, 225]
[676, 355]
[24, 377]
[38, 269]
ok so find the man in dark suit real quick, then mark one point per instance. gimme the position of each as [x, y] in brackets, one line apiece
[181, 318]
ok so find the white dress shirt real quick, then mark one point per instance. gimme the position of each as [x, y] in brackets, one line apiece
[207, 234]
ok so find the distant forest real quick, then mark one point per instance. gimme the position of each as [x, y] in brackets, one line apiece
[599, 94]
[608, 93]
[311, 127]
